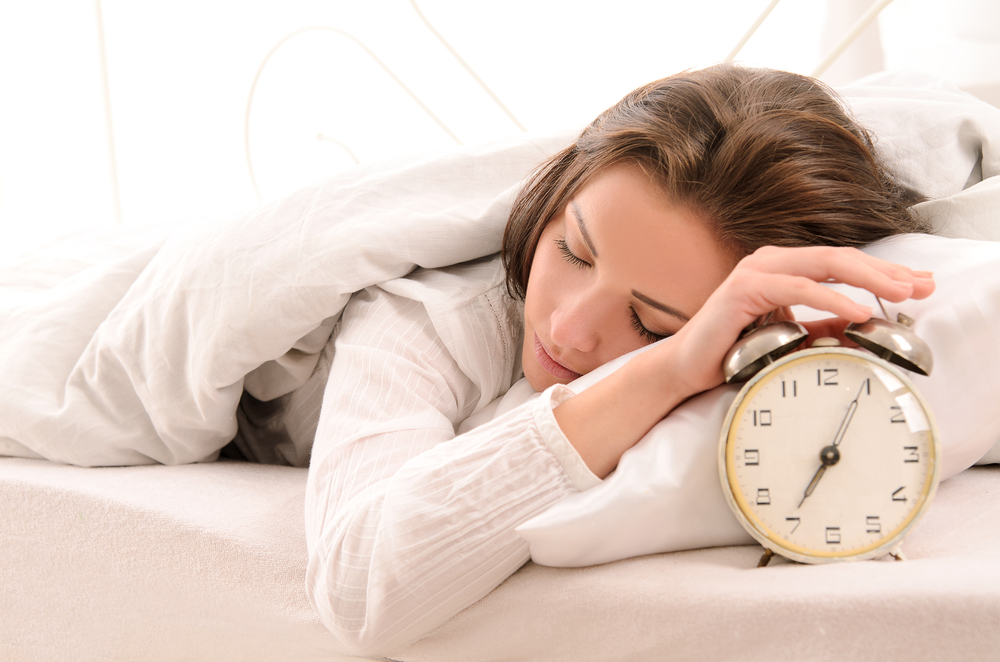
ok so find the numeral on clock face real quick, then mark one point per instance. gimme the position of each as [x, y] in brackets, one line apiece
[826, 377]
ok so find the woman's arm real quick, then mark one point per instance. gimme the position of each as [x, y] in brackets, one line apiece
[406, 523]
[613, 415]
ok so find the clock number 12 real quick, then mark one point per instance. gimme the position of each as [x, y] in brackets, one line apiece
[826, 377]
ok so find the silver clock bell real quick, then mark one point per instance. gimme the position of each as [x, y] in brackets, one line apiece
[764, 343]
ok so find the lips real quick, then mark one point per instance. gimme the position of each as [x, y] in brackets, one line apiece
[553, 367]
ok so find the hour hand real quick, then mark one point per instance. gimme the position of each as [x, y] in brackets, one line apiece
[828, 457]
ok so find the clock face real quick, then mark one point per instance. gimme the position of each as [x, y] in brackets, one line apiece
[829, 454]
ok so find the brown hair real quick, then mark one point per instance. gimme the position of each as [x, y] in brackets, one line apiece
[764, 157]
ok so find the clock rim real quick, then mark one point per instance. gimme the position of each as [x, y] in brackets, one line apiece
[809, 556]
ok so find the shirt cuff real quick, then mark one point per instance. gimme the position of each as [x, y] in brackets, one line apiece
[552, 436]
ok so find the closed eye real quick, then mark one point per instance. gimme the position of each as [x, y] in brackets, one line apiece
[569, 255]
[643, 332]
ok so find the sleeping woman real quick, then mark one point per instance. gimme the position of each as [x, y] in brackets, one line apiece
[692, 207]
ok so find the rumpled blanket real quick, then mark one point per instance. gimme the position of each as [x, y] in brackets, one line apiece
[137, 350]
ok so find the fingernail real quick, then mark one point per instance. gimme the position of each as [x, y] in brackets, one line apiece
[924, 274]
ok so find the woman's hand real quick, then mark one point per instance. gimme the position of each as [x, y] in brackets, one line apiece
[608, 418]
[773, 279]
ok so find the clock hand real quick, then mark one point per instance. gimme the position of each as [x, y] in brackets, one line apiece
[830, 455]
[847, 417]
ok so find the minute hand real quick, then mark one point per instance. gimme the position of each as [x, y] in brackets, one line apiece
[829, 456]
[847, 421]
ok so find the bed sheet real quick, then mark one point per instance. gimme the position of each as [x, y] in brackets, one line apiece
[206, 561]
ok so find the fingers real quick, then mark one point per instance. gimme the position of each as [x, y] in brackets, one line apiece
[887, 280]
[766, 292]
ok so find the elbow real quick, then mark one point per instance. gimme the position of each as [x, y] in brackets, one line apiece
[349, 612]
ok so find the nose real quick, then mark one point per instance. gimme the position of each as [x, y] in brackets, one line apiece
[575, 322]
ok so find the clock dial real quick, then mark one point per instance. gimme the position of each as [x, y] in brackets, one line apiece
[830, 455]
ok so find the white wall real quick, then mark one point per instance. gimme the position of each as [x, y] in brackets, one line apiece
[179, 75]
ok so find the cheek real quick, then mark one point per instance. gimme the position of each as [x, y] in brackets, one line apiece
[544, 276]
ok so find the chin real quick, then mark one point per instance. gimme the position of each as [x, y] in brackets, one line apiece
[539, 378]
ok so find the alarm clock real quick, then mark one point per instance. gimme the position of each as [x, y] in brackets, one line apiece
[829, 453]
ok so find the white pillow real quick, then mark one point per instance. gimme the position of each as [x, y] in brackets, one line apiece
[666, 493]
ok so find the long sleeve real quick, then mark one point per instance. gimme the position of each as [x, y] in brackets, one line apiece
[407, 524]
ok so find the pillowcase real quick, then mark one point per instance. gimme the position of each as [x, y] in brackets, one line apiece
[666, 494]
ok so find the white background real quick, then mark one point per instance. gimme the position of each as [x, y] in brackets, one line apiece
[179, 75]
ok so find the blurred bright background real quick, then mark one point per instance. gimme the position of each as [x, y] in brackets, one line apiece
[124, 111]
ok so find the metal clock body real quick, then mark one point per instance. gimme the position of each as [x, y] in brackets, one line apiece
[829, 454]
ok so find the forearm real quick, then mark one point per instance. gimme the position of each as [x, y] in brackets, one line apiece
[405, 554]
[611, 416]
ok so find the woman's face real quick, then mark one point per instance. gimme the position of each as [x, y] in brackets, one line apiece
[618, 268]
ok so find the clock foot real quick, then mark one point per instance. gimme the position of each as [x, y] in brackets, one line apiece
[765, 559]
[897, 554]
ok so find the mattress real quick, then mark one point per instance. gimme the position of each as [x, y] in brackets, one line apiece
[207, 561]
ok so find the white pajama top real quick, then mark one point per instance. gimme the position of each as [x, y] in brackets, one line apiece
[407, 521]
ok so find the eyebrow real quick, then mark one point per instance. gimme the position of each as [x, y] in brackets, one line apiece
[583, 228]
[660, 306]
[638, 295]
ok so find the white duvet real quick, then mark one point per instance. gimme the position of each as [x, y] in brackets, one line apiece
[136, 349]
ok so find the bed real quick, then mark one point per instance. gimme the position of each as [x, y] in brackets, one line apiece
[193, 557]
